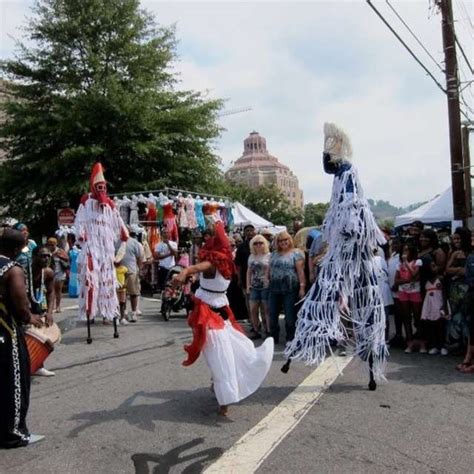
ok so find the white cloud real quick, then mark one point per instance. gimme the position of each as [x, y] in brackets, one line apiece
[299, 64]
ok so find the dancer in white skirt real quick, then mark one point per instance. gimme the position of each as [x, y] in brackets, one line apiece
[237, 367]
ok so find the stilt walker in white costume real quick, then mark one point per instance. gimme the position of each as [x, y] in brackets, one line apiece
[237, 367]
[346, 287]
[98, 226]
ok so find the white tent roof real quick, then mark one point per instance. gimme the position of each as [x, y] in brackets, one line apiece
[243, 216]
[439, 209]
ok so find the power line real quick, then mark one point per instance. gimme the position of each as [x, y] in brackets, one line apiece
[465, 21]
[463, 54]
[466, 116]
[468, 17]
[405, 45]
[460, 67]
[465, 80]
[414, 36]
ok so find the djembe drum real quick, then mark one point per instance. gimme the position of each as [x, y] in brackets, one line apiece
[40, 343]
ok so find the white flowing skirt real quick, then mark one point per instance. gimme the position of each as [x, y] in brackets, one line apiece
[238, 368]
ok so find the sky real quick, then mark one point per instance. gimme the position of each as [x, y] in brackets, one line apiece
[300, 64]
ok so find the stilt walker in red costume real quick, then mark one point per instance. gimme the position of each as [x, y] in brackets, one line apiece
[98, 227]
[237, 367]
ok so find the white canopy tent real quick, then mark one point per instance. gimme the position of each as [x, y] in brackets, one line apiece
[437, 210]
[244, 216]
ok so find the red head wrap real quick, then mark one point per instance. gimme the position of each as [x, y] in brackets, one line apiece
[217, 251]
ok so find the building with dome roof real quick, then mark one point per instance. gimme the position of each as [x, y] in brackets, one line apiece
[256, 167]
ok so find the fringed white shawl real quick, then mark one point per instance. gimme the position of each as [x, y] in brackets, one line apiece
[97, 229]
[346, 287]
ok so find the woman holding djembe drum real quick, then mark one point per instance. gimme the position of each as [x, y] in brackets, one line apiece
[41, 294]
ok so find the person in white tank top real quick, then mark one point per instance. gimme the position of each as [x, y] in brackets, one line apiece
[237, 367]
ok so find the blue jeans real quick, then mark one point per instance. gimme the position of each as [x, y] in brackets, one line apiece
[275, 300]
[258, 295]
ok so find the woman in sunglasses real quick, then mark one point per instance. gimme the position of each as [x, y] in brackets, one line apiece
[287, 285]
[257, 284]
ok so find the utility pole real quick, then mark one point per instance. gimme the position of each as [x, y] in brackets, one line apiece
[454, 113]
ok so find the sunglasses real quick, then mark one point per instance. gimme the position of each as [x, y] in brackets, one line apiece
[258, 243]
[283, 240]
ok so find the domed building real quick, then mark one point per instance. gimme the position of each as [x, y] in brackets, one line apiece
[257, 167]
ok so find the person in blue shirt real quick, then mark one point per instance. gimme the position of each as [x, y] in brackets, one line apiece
[25, 256]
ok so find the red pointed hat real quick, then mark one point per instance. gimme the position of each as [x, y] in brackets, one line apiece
[97, 175]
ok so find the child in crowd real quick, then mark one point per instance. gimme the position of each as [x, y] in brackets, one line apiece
[434, 312]
[407, 278]
[120, 272]
[184, 261]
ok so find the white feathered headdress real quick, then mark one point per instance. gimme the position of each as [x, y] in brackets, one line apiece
[337, 143]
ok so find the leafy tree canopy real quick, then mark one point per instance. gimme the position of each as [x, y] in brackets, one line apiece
[97, 83]
[314, 213]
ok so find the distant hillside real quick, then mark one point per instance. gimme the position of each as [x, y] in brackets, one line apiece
[384, 211]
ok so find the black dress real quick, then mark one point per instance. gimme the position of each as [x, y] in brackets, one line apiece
[14, 370]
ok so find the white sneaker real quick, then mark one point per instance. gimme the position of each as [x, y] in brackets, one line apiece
[444, 351]
[34, 438]
[44, 373]
[133, 317]
[433, 351]
[123, 322]
[408, 350]
[139, 313]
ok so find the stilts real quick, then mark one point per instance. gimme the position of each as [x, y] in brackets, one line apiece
[116, 334]
[286, 366]
[372, 383]
[89, 338]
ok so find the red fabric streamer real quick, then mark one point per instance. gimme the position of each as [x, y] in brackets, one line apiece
[202, 318]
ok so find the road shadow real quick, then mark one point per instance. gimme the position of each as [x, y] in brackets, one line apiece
[147, 463]
[197, 406]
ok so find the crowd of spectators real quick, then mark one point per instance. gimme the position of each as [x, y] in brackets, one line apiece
[432, 281]
[425, 277]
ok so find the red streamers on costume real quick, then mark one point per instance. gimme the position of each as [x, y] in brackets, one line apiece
[202, 318]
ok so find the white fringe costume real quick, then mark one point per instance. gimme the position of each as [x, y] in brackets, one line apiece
[346, 287]
[98, 227]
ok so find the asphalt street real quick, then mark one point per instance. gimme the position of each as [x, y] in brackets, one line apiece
[127, 405]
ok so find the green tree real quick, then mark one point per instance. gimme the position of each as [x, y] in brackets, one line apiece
[97, 83]
[267, 201]
[314, 213]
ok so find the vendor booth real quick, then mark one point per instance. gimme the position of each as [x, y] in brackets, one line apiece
[437, 212]
[244, 216]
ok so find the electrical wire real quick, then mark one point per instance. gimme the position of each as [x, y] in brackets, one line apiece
[459, 45]
[414, 36]
[466, 12]
[463, 54]
[465, 22]
[387, 24]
